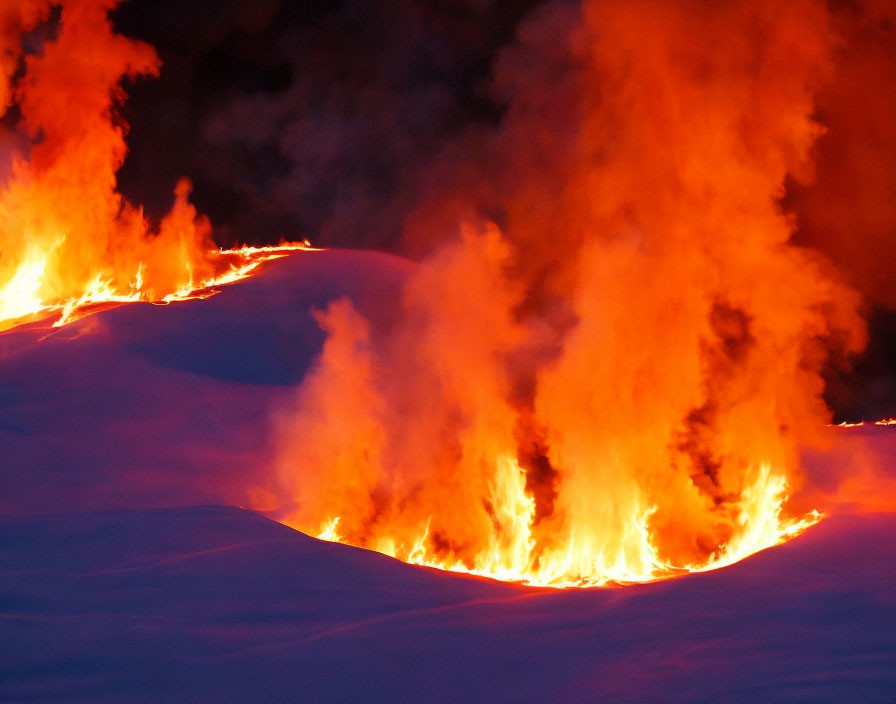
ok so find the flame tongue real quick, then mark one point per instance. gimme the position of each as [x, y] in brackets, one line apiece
[20, 300]
[513, 555]
[20, 296]
[69, 242]
[614, 388]
[617, 384]
[411, 446]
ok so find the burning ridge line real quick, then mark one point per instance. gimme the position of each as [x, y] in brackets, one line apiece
[241, 263]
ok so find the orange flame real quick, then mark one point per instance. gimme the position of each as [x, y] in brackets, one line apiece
[68, 240]
[511, 554]
[863, 423]
[617, 387]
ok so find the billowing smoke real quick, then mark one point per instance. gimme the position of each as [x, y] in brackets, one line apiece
[64, 227]
[848, 206]
[645, 230]
[341, 116]
[614, 366]
[313, 118]
[385, 124]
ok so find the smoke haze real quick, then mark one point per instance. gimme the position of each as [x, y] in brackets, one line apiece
[388, 125]
[647, 234]
[621, 364]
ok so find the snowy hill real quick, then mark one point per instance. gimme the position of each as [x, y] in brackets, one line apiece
[107, 593]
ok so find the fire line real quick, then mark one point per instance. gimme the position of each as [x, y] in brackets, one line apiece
[231, 264]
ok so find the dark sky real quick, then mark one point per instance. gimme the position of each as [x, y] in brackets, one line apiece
[332, 120]
[306, 118]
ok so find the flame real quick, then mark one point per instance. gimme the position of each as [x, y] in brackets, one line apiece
[865, 423]
[618, 382]
[476, 505]
[69, 242]
[512, 554]
[20, 301]
[20, 296]
[328, 531]
[241, 263]
[612, 387]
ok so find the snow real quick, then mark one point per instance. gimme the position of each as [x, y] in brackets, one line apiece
[128, 574]
[149, 406]
[220, 604]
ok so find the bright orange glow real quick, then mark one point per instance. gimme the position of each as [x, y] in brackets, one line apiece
[864, 423]
[856, 472]
[69, 242]
[618, 383]
[512, 554]
[20, 302]
[613, 387]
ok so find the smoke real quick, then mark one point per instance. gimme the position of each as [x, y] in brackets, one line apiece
[438, 381]
[644, 229]
[15, 19]
[848, 210]
[345, 121]
[64, 227]
[615, 377]
[640, 236]
[322, 117]
[384, 125]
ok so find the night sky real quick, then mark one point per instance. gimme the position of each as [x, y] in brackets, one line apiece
[338, 121]
[593, 279]
[307, 119]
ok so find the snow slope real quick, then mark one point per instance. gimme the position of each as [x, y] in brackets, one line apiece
[107, 593]
[146, 405]
[219, 604]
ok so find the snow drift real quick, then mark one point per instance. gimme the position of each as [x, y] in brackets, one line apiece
[159, 406]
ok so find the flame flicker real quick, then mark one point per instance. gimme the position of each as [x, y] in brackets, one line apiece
[615, 385]
[585, 392]
[609, 368]
[68, 239]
